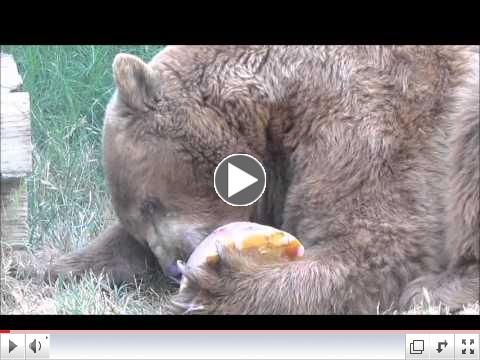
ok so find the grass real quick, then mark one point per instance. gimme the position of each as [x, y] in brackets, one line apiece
[69, 88]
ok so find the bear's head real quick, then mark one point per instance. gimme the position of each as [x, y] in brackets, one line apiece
[161, 144]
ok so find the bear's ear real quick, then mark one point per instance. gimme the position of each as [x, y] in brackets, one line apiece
[133, 79]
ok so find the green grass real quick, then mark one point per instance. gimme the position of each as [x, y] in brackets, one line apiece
[69, 88]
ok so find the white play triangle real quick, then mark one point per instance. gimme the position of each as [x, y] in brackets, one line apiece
[238, 180]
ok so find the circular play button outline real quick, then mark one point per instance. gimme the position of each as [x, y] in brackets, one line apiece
[226, 198]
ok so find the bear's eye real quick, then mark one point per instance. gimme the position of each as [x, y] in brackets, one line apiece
[152, 206]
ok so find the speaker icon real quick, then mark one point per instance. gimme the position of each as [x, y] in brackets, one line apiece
[35, 346]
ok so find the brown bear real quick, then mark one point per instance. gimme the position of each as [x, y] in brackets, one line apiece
[372, 161]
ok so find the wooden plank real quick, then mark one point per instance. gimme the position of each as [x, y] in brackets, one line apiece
[16, 155]
[10, 79]
[13, 213]
[16, 146]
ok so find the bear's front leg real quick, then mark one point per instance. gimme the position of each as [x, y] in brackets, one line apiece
[115, 252]
[451, 290]
[327, 281]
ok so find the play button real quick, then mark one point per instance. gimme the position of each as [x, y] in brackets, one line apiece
[11, 346]
[239, 180]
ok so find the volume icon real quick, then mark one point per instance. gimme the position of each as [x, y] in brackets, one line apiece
[35, 346]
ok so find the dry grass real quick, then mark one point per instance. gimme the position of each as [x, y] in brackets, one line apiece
[25, 292]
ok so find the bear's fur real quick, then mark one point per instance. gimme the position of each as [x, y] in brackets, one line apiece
[372, 161]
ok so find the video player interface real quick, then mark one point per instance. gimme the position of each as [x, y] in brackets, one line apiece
[394, 345]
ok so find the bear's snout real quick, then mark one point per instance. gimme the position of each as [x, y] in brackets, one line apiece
[173, 271]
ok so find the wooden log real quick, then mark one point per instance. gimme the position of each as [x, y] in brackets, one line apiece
[14, 211]
[10, 79]
[16, 155]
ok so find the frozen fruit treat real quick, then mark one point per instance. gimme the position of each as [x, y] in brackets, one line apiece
[247, 237]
